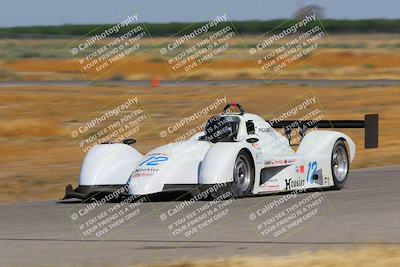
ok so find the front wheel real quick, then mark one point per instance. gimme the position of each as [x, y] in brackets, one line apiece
[243, 174]
[339, 164]
[243, 178]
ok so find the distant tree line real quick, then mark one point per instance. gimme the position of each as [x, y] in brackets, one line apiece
[242, 27]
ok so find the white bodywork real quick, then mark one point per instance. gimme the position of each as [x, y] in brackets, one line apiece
[108, 164]
[195, 162]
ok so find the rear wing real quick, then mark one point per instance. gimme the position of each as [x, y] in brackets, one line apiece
[370, 125]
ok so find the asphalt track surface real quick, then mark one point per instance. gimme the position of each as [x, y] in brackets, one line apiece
[308, 82]
[365, 212]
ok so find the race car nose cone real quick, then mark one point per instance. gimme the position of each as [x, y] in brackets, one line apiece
[144, 185]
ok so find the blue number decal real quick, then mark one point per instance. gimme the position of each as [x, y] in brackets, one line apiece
[154, 160]
[311, 170]
[148, 159]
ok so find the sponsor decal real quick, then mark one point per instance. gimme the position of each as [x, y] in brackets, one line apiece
[256, 146]
[264, 130]
[292, 184]
[300, 169]
[279, 162]
[144, 172]
[259, 157]
[272, 187]
[150, 164]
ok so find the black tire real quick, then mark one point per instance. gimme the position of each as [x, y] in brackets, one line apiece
[243, 174]
[233, 188]
[339, 164]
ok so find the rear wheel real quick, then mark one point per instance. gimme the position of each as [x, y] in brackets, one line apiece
[339, 164]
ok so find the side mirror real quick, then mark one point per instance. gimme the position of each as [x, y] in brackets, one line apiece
[129, 141]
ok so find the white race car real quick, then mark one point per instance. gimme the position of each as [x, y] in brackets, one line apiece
[239, 150]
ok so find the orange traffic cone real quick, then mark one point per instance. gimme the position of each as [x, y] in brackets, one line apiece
[155, 82]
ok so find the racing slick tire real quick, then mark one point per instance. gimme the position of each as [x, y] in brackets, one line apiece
[243, 174]
[339, 164]
[243, 178]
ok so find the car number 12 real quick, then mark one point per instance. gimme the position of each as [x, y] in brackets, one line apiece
[311, 170]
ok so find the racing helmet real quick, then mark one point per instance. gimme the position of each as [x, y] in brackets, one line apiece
[221, 129]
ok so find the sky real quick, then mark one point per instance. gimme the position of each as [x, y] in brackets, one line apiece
[57, 12]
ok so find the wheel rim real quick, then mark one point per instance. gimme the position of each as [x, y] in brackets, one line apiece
[242, 173]
[340, 164]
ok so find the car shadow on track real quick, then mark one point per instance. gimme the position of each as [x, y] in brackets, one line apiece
[159, 197]
[183, 196]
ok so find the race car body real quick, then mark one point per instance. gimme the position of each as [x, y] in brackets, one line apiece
[240, 150]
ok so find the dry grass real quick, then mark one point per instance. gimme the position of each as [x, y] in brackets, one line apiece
[367, 257]
[324, 65]
[340, 57]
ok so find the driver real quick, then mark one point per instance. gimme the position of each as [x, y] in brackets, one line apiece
[221, 129]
